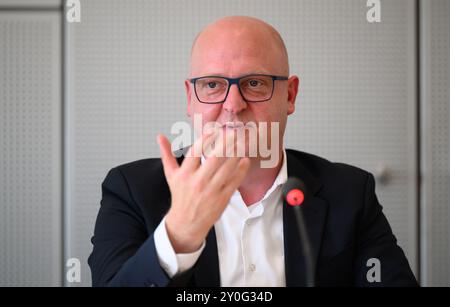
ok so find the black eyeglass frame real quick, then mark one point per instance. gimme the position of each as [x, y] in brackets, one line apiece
[236, 81]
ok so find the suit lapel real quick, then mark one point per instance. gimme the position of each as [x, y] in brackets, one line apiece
[314, 212]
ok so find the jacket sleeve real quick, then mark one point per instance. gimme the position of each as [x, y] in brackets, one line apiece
[124, 253]
[377, 247]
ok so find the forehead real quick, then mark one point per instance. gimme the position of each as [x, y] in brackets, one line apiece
[235, 53]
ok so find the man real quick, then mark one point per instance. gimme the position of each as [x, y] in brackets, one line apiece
[220, 221]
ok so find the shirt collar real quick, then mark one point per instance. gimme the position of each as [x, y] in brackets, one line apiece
[281, 177]
[258, 208]
[282, 174]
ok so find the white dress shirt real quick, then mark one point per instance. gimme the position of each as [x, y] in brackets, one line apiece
[250, 241]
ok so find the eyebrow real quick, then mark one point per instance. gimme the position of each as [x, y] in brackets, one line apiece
[256, 72]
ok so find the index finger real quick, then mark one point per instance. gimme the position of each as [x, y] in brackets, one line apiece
[169, 162]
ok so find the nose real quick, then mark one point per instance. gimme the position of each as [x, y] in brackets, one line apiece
[234, 103]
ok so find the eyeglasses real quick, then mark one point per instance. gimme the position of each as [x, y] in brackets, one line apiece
[253, 88]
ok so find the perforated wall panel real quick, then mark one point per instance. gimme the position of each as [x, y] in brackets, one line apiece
[32, 3]
[435, 142]
[30, 149]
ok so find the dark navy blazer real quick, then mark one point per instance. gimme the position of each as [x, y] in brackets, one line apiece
[343, 217]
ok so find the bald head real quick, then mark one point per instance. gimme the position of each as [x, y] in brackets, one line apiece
[237, 45]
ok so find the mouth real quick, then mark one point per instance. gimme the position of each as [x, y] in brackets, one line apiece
[233, 125]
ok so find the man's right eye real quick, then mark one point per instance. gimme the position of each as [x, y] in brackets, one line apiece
[212, 84]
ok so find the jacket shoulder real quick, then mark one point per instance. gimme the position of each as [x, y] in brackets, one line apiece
[143, 185]
[329, 172]
[141, 167]
[345, 187]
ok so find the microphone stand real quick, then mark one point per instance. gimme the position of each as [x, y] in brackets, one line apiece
[306, 248]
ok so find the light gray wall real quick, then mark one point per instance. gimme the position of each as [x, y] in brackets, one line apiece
[435, 149]
[30, 154]
[41, 4]
[124, 68]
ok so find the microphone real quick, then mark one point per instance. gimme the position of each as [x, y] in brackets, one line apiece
[294, 194]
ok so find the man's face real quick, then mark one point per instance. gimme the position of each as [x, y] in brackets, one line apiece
[232, 54]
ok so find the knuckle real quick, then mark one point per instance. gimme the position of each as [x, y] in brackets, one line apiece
[182, 176]
[198, 184]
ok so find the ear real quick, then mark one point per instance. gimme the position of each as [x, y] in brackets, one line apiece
[188, 89]
[293, 84]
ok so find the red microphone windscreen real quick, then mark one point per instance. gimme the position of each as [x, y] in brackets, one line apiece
[295, 197]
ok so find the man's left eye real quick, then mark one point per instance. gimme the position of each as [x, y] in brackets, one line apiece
[254, 83]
